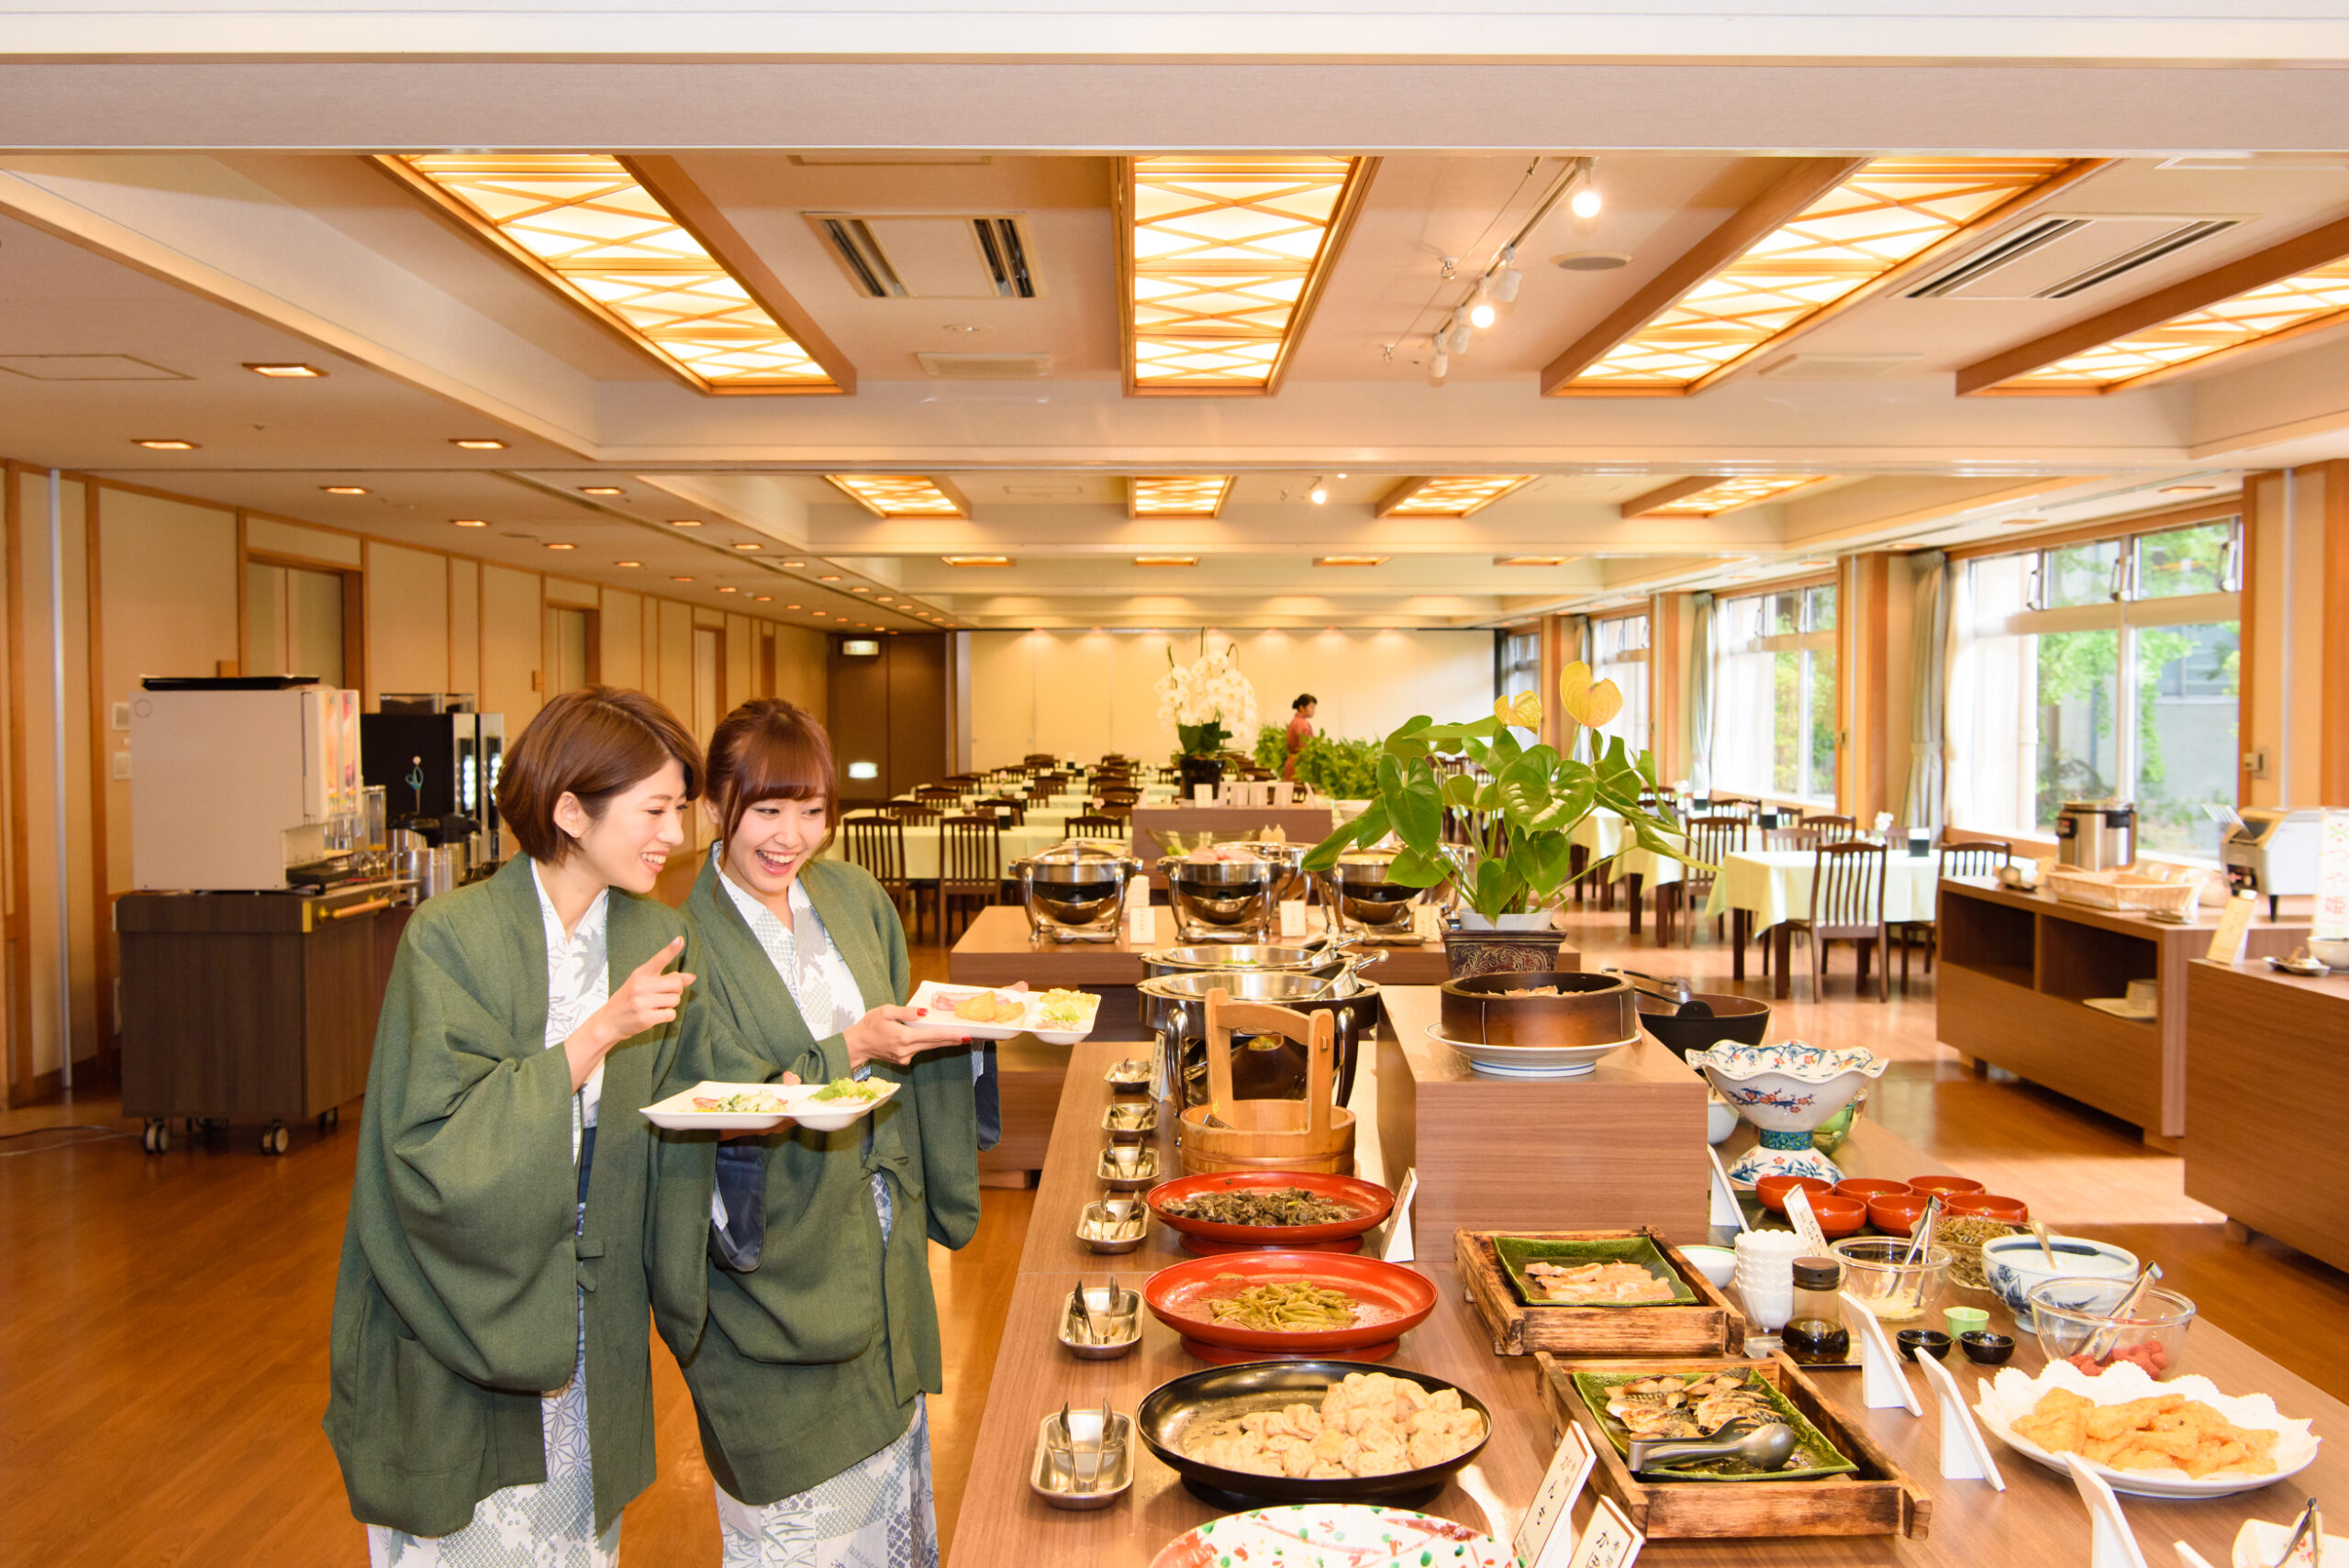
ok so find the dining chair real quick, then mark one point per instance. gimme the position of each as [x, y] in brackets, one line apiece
[970, 865]
[1709, 838]
[1972, 857]
[914, 813]
[1737, 805]
[937, 794]
[1847, 906]
[876, 841]
[1802, 837]
[962, 781]
[1009, 810]
[1095, 825]
[1830, 828]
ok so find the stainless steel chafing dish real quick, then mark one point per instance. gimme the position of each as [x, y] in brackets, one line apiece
[1266, 1067]
[1075, 891]
[1233, 900]
[1365, 902]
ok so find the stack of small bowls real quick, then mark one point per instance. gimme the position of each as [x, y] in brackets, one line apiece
[1765, 1276]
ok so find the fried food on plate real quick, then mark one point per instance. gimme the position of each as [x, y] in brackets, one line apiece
[2164, 1431]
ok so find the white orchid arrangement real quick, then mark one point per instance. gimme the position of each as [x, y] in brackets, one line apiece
[1207, 700]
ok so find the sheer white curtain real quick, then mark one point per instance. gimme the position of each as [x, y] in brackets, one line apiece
[1929, 655]
[1962, 716]
[1700, 696]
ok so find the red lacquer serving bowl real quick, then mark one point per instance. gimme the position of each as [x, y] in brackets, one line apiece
[1391, 1300]
[1370, 1202]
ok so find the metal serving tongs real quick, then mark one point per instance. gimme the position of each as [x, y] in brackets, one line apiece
[2100, 1344]
[1354, 963]
[1087, 1458]
[1670, 988]
[1098, 1304]
[1125, 1212]
[2309, 1528]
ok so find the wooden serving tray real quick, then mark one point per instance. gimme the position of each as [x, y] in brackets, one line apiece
[1879, 1499]
[1710, 1328]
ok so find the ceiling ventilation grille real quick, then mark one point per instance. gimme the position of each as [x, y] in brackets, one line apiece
[2056, 257]
[931, 256]
[985, 367]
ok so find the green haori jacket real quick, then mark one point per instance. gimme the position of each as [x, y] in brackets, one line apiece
[813, 1360]
[458, 1302]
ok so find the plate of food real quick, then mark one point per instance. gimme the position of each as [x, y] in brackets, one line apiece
[975, 1011]
[1689, 1404]
[1315, 1431]
[1256, 1306]
[1333, 1534]
[1062, 1017]
[2181, 1438]
[1271, 1208]
[712, 1106]
[1626, 1271]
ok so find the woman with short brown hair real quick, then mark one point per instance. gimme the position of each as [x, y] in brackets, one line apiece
[821, 1335]
[493, 1252]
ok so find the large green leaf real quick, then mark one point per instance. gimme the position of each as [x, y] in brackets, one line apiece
[1413, 869]
[1460, 790]
[1543, 859]
[1417, 809]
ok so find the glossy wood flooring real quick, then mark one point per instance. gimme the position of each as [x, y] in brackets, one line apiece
[163, 1321]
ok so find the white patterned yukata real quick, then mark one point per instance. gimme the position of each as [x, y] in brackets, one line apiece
[550, 1524]
[878, 1513]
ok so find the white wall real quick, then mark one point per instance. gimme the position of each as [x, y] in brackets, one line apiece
[1081, 693]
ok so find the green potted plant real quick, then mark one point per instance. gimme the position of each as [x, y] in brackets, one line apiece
[1517, 806]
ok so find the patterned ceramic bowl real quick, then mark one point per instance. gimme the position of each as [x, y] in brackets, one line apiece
[1787, 1090]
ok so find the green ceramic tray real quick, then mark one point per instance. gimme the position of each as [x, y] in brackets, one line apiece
[1516, 1251]
[1814, 1455]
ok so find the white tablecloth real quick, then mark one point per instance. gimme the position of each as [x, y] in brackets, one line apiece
[1775, 885]
[1609, 838]
[921, 847]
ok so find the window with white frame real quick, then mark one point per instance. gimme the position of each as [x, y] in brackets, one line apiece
[1619, 653]
[1517, 667]
[2097, 668]
[1773, 694]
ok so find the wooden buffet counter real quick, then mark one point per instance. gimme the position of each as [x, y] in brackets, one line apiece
[2037, 1521]
[2267, 1079]
[2015, 967]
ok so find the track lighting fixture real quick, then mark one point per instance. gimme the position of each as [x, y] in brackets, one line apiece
[1585, 201]
[1439, 365]
[1504, 283]
[1320, 494]
[1458, 336]
[1481, 313]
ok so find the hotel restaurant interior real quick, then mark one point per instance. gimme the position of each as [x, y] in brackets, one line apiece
[1164, 786]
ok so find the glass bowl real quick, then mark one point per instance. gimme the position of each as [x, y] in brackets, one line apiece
[1894, 1291]
[2069, 1313]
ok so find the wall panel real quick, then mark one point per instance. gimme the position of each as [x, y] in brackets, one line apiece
[799, 669]
[672, 658]
[511, 645]
[408, 621]
[622, 623]
[464, 626]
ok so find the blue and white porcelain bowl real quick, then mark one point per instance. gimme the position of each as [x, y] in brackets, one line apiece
[1785, 1090]
[2012, 1264]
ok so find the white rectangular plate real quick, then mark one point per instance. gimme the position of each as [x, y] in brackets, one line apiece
[677, 1112]
[941, 1001]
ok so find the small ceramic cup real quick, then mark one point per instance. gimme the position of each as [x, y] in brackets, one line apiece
[1915, 1342]
[1965, 1320]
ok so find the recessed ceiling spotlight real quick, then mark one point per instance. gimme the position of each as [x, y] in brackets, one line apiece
[1166, 561]
[631, 563]
[795, 565]
[601, 490]
[286, 371]
[729, 590]
[1532, 560]
[744, 544]
[344, 489]
[834, 578]
[884, 599]
[1814, 564]
[165, 444]
[469, 522]
[1350, 561]
[680, 579]
[556, 545]
[762, 599]
[1591, 261]
[976, 559]
[477, 443]
[860, 590]
[791, 606]
[2187, 489]
[685, 522]
[2020, 522]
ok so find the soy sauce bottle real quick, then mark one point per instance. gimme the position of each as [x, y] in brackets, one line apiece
[1814, 1334]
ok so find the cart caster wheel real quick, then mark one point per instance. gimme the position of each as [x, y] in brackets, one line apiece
[157, 1138]
[274, 1138]
[330, 1119]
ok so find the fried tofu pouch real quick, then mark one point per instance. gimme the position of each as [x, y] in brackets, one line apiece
[2162, 1432]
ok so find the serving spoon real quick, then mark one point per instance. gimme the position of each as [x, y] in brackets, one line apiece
[1767, 1447]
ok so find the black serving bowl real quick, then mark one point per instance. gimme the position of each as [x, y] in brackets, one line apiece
[1986, 1348]
[1932, 1342]
[1167, 1411]
[1738, 1019]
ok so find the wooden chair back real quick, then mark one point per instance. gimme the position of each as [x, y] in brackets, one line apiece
[1975, 856]
[1732, 806]
[1830, 828]
[962, 781]
[877, 842]
[1095, 825]
[914, 813]
[936, 794]
[1009, 810]
[1847, 892]
[1710, 837]
[970, 857]
[1788, 838]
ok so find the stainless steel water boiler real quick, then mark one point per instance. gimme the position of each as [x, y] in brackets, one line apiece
[2096, 835]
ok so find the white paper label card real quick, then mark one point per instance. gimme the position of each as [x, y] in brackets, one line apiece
[2113, 1544]
[1545, 1537]
[2234, 930]
[1814, 1239]
[1423, 926]
[1203, 794]
[1609, 1541]
[1293, 917]
[1399, 1223]
[1965, 1452]
[1883, 1385]
[1727, 1211]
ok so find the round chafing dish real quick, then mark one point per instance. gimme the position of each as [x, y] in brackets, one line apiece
[1266, 1067]
[1360, 890]
[1075, 891]
[1232, 900]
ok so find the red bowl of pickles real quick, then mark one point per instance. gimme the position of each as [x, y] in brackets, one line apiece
[1370, 1202]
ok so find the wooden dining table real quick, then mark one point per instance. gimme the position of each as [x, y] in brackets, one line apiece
[2037, 1522]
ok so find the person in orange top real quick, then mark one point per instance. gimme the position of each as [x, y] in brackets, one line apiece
[1300, 730]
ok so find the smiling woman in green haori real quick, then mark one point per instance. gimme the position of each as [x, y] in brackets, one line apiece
[821, 1335]
[491, 1402]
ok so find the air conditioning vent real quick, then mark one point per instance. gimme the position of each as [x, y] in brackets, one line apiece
[933, 256]
[1836, 367]
[2057, 257]
[985, 367]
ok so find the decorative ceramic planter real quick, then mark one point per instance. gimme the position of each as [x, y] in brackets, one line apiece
[1786, 1091]
[1516, 944]
[1197, 771]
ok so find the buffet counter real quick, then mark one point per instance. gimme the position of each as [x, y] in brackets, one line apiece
[2037, 1520]
[2269, 1093]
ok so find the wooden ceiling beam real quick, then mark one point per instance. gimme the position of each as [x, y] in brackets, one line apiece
[2318, 247]
[1803, 183]
[1664, 495]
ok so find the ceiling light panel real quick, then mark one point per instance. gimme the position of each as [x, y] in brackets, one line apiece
[1176, 494]
[1727, 494]
[2319, 297]
[1223, 258]
[1166, 561]
[901, 494]
[976, 559]
[1350, 561]
[1455, 496]
[1889, 213]
[593, 232]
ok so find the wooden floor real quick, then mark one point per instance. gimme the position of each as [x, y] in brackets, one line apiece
[163, 1321]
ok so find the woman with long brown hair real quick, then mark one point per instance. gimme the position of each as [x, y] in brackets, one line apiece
[493, 1265]
[821, 1335]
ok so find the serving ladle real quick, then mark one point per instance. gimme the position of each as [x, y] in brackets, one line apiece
[1767, 1447]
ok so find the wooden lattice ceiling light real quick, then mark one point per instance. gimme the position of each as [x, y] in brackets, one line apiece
[1458, 495]
[1727, 494]
[901, 494]
[590, 230]
[2319, 297]
[1222, 258]
[1885, 215]
[1176, 494]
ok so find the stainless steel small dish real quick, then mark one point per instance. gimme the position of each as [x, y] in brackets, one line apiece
[1129, 1167]
[1101, 1323]
[1130, 1077]
[1084, 1459]
[1114, 1224]
[1129, 1122]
